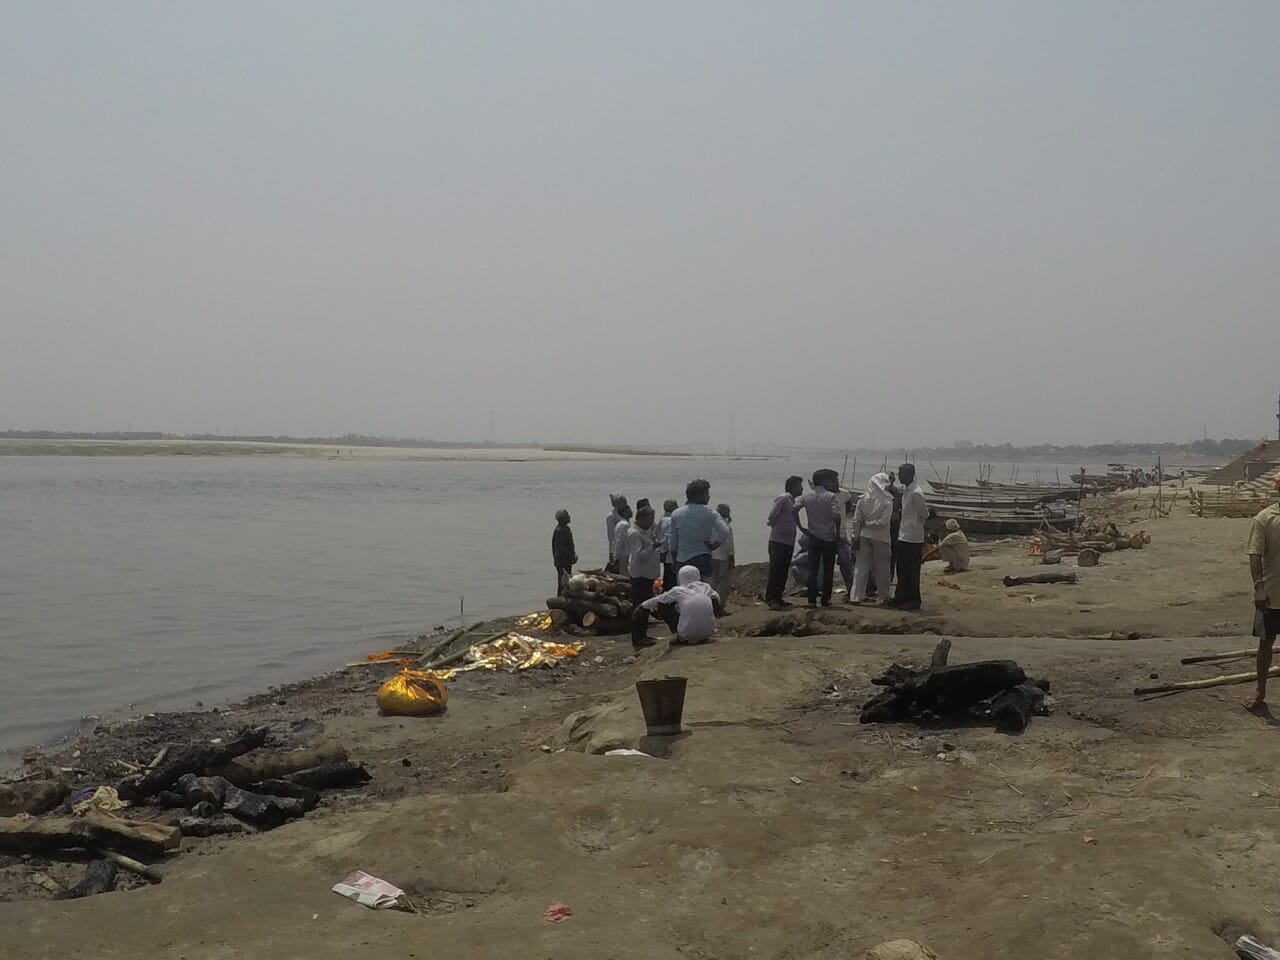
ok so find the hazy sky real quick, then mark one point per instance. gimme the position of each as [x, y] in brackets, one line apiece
[884, 223]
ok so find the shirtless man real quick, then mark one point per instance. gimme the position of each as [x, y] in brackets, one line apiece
[1264, 565]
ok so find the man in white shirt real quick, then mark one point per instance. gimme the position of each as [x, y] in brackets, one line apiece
[689, 609]
[722, 555]
[642, 560]
[910, 540]
[616, 500]
[617, 551]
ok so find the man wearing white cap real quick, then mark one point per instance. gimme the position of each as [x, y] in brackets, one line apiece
[1264, 565]
[690, 609]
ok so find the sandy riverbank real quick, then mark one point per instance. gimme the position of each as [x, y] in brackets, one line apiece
[1116, 827]
[246, 448]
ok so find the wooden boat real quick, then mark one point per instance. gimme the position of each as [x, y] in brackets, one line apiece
[1013, 493]
[1007, 523]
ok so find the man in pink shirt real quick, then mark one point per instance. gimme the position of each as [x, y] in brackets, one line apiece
[782, 541]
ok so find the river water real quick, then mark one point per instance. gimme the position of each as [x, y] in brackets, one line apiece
[157, 582]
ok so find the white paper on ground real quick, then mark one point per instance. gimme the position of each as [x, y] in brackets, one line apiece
[372, 892]
[626, 752]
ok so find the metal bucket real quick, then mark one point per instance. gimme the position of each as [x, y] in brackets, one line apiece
[663, 704]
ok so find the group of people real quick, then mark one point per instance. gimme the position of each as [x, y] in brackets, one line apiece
[882, 538]
[689, 550]
[679, 564]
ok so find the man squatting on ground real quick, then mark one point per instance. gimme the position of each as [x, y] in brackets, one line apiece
[690, 609]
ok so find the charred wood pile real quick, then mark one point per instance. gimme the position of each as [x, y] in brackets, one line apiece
[995, 691]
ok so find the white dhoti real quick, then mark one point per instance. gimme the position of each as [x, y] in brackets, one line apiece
[873, 558]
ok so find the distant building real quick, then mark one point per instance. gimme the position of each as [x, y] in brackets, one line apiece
[963, 444]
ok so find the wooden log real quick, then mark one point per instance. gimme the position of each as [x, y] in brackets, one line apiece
[275, 765]
[329, 776]
[99, 877]
[1012, 710]
[210, 790]
[1222, 681]
[1041, 578]
[263, 811]
[1229, 655]
[283, 788]
[593, 596]
[94, 830]
[32, 796]
[560, 618]
[1052, 557]
[940, 654]
[581, 607]
[1087, 557]
[589, 619]
[207, 827]
[195, 759]
[132, 865]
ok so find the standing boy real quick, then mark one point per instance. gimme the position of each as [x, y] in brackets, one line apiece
[563, 551]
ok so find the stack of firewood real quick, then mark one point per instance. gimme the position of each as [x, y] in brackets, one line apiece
[593, 603]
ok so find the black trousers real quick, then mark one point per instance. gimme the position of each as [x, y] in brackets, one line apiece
[822, 553]
[779, 567]
[668, 573]
[641, 590]
[667, 612]
[909, 557]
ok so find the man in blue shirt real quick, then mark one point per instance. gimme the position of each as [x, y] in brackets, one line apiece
[696, 530]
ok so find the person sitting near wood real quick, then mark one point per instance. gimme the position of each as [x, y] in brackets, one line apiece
[690, 609]
[954, 548]
[563, 552]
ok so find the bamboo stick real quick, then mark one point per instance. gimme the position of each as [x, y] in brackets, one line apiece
[447, 642]
[1229, 655]
[459, 655]
[1221, 681]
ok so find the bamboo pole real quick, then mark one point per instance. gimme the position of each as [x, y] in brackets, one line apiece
[1221, 681]
[1229, 655]
[461, 654]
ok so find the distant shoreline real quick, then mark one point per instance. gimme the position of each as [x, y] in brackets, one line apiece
[304, 451]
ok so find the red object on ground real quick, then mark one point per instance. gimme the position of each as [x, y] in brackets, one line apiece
[558, 913]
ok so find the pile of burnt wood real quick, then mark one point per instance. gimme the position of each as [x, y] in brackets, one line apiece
[996, 691]
[197, 790]
[593, 603]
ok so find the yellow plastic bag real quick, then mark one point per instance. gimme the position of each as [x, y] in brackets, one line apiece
[412, 693]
